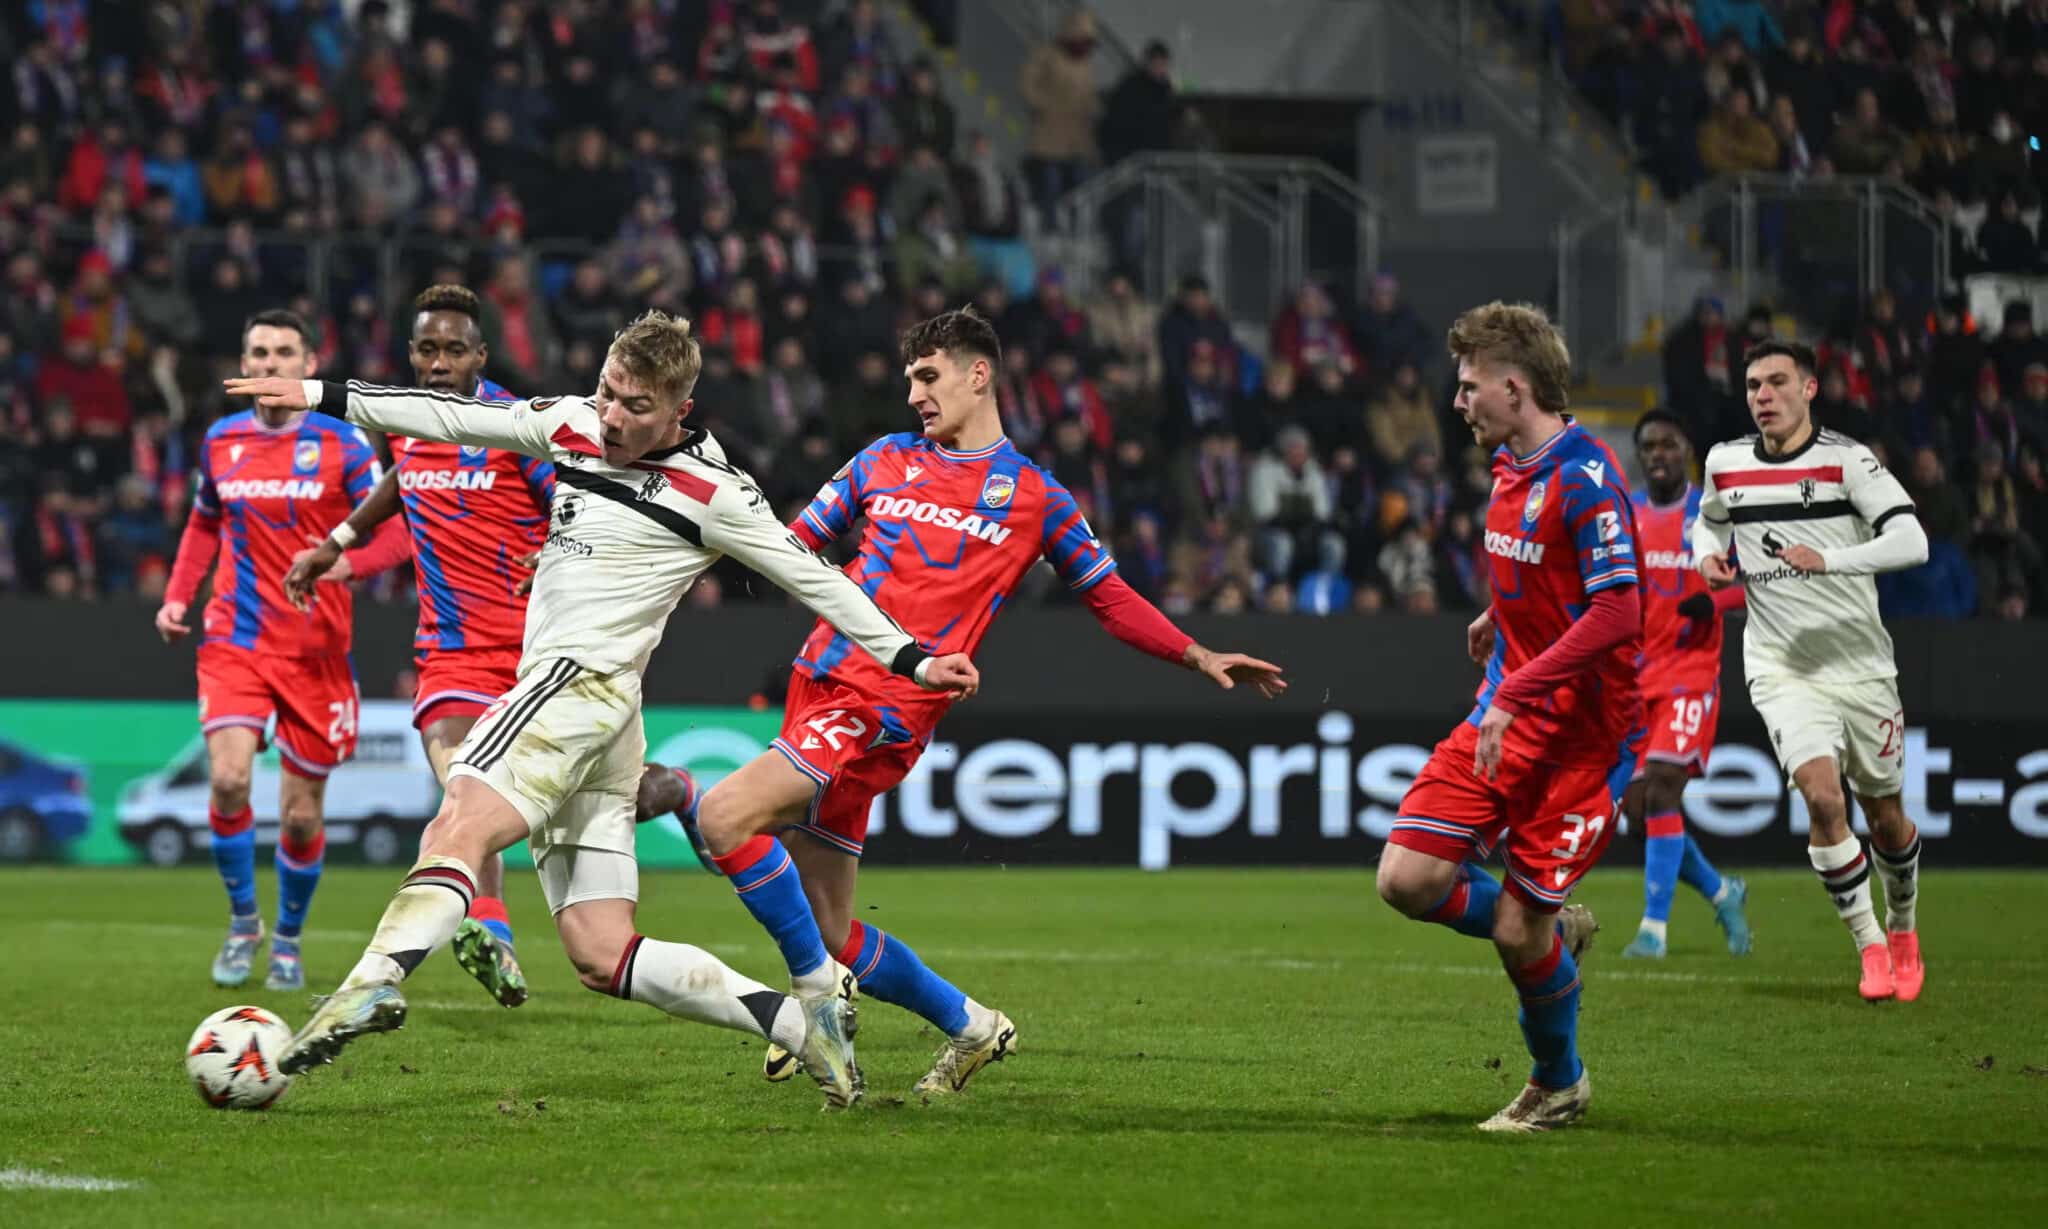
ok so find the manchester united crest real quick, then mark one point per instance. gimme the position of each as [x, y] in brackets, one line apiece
[1806, 490]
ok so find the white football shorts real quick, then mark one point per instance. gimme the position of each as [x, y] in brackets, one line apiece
[565, 747]
[1860, 726]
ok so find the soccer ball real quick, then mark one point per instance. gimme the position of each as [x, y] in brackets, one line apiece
[232, 1058]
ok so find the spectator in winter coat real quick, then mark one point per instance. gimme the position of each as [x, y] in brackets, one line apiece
[381, 177]
[923, 116]
[1194, 317]
[1400, 418]
[92, 387]
[1389, 332]
[2004, 243]
[1288, 500]
[1734, 141]
[1123, 324]
[1308, 334]
[991, 196]
[1058, 84]
[1866, 143]
[98, 158]
[1141, 111]
[1748, 19]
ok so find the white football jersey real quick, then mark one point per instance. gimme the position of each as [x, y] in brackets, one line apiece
[625, 543]
[1831, 493]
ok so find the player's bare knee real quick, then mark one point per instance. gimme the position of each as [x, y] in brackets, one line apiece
[726, 819]
[1662, 798]
[1521, 935]
[300, 821]
[230, 787]
[1406, 887]
[1827, 812]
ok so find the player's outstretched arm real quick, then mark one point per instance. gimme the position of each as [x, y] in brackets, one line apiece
[741, 525]
[422, 414]
[1125, 614]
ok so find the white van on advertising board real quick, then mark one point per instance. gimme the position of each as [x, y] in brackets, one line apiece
[376, 803]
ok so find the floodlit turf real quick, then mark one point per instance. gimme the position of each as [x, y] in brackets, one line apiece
[1220, 1048]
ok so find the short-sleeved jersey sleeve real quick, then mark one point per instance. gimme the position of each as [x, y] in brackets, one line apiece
[1069, 544]
[360, 468]
[833, 510]
[1598, 519]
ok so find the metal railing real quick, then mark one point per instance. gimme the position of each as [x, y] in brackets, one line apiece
[1816, 248]
[1551, 103]
[1255, 225]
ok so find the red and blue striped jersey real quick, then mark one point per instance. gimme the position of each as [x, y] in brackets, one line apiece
[1679, 654]
[1559, 529]
[473, 513]
[270, 493]
[949, 536]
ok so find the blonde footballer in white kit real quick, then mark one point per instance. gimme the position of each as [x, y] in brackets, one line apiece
[1813, 515]
[643, 505]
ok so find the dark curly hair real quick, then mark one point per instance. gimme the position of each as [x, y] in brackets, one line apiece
[953, 333]
[449, 298]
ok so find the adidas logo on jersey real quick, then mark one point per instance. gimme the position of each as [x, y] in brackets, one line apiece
[271, 488]
[1510, 547]
[891, 507]
[446, 479]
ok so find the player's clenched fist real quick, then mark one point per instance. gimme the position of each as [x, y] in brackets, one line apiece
[1715, 568]
[1479, 636]
[270, 392]
[170, 622]
[323, 560]
[954, 673]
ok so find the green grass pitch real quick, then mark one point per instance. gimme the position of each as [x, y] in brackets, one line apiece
[1199, 1047]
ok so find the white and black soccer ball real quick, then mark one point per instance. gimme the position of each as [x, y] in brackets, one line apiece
[232, 1058]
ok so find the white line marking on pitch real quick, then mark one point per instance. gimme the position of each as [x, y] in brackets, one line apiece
[173, 929]
[37, 1180]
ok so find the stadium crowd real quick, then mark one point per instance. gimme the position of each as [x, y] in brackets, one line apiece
[787, 175]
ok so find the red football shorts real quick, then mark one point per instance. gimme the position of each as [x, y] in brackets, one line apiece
[854, 750]
[1556, 818]
[313, 698]
[461, 682]
[1682, 727]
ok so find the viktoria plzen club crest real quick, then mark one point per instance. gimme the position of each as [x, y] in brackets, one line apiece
[997, 490]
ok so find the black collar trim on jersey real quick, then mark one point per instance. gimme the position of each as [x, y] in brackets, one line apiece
[692, 436]
[1793, 455]
[619, 493]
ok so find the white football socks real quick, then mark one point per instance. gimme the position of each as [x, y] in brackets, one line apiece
[692, 983]
[1901, 874]
[425, 913]
[1845, 873]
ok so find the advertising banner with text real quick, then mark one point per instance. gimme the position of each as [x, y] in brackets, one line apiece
[125, 781]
